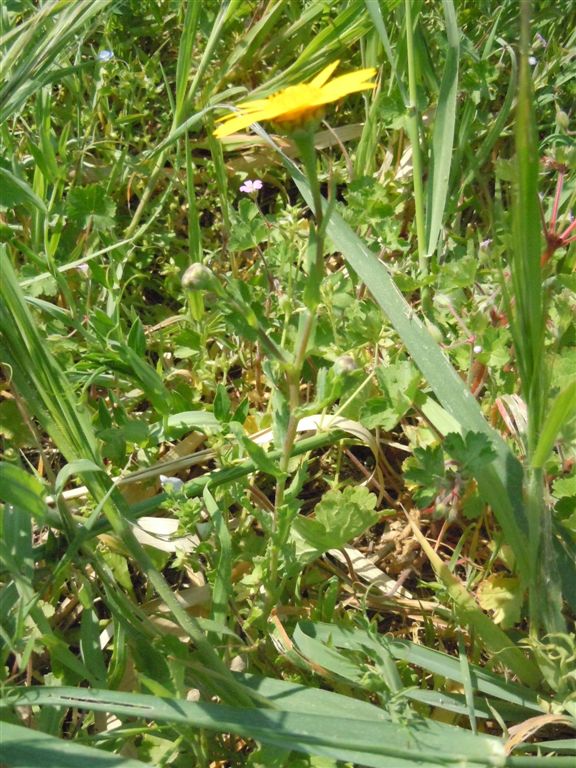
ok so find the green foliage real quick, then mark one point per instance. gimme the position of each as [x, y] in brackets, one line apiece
[90, 208]
[339, 517]
[399, 384]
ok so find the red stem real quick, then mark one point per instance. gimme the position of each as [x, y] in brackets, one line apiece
[556, 205]
[567, 231]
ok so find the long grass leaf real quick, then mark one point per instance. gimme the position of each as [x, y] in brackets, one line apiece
[485, 682]
[529, 329]
[561, 412]
[443, 133]
[33, 55]
[39, 378]
[375, 12]
[374, 741]
[28, 748]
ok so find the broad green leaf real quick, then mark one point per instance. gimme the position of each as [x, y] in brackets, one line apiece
[340, 516]
[16, 533]
[503, 596]
[222, 405]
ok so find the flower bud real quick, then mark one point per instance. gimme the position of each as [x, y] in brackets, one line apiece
[434, 331]
[198, 278]
[562, 119]
[344, 364]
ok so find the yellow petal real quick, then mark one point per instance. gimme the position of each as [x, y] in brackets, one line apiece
[234, 124]
[296, 100]
[350, 83]
[323, 76]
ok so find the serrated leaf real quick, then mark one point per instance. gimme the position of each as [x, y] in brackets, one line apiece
[340, 516]
[503, 596]
[564, 487]
[473, 450]
[425, 465]
[91, 207]
[400, 384]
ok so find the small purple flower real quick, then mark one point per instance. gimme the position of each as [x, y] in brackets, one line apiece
[541, 40]
[250, 186]
[105, 55]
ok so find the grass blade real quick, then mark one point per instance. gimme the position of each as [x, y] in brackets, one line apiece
[443, 134]
[27, 748]
[313, 728]
[561, 412]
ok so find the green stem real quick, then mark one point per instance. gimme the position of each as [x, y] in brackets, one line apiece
[192, 489]
[304, 140]
[146, 195]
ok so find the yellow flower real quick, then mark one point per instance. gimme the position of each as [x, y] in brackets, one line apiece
[297, 103]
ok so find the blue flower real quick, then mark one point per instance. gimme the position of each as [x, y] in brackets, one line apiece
[171, 484]
[105, 55]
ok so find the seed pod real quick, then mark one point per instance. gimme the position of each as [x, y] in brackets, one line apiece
[199, 278]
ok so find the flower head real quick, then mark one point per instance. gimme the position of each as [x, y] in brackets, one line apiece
[84, 269]
[297, 103]
[171, 484]
[105, 56]
[250, 186]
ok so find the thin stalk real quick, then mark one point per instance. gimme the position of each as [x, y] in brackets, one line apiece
[146, 195]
